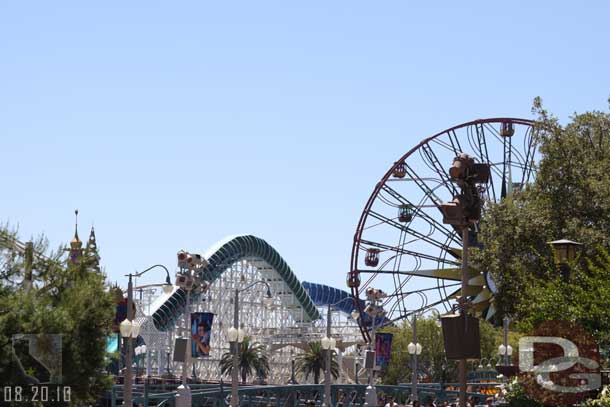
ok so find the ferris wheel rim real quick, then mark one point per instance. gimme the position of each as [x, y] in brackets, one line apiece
[379, 185]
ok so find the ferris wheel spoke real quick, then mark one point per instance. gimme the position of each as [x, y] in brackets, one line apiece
[435, 165]
[415, 312]
[452, 274]
[449, 147]
[484, 155]
[424, 187]
[406, 229]
[404, 294]
[419, 212]
[455, 142]
[515, 151]
[529, 156]
[402, 251]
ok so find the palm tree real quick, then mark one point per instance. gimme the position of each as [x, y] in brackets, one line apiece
[313, 361]
[251, 358]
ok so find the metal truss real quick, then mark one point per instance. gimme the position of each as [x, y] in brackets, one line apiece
[279, 327]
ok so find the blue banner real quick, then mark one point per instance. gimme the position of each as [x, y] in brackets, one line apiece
[383, 349]
[201, 333]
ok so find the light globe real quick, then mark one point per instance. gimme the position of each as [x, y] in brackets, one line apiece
[411, 348]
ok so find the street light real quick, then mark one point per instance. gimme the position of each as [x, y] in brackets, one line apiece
[505, 350]
[292, 378]
[329, 344]
[565, 253]
[505, 367]
[188, 280]
[130, 329]
[374, 311]
[414, 348]
[236, 336]
[565, 250]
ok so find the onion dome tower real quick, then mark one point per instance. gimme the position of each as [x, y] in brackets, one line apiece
[76, 246]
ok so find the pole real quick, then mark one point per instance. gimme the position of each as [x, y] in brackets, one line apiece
[234, 371]
[462, 363]
[506, 321]
[414, 381]
[128, 362]
[327, 400]
[184, 396]
[168, 371]
[372, 348]
[370, 395]
[187, 331]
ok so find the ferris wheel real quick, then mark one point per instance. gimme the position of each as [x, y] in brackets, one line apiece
[401, 244]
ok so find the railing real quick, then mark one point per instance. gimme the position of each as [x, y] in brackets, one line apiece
[214, 395]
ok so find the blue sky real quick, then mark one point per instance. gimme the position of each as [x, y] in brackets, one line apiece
[173, 124]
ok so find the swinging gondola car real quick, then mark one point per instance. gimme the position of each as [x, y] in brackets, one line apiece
[372, 257]
[353, 279]
[507, 129]
[405, 213]
[400, 170]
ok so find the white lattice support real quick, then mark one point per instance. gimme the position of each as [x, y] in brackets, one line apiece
[276, 327]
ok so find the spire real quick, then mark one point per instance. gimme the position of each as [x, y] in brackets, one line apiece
[91, 244]
[91, 250]
[76, 243]
[75, 250]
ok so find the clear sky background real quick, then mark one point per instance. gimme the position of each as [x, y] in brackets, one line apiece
[170, 125]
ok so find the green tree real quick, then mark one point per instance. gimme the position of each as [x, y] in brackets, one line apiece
[63, 299]
[583, 298]
[432, 362]
[517, 397]
[313, 362]
[568, 199]
[252, 358]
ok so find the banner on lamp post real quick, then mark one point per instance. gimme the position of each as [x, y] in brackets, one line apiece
[201, 333]
[383, 349]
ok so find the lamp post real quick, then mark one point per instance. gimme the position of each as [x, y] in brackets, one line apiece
[482, 366]
[374, 311]
[130, 329]
[329, 344]
[505, 366]
[414, 349]
[188, 280]
[168, 371]
[292, 377]
[236, 336]
[565, 253]
[505, 350]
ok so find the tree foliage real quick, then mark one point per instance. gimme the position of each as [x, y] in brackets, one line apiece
[432, 363]
[313, 362]
[252, 359]
[568, 199]
[63, 299]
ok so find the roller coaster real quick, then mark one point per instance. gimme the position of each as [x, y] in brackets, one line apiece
[284, 328]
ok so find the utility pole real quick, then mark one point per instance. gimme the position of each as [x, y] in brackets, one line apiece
[235, 346]
[463, 304]
[414, 379]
